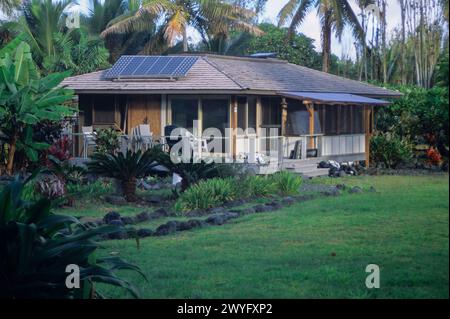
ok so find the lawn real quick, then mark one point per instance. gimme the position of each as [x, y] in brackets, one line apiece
[315, 249]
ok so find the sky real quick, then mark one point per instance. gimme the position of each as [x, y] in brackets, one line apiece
[311, 25]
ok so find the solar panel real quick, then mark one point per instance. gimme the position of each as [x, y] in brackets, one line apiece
[151, 67]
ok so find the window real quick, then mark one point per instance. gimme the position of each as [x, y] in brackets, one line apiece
[297, 119]
[331, 116]
[271, 111]
[345, 119]
[242, 113]
[104, 109]
[247, 113]
[342, 119]
[357, 120]
[184, 113]
[319, 119]
[251, 113]
[215, 114]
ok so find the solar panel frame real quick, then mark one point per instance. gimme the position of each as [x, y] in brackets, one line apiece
[142, 67]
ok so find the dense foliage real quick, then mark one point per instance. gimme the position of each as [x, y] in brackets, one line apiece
[26, 99]
[36, 246]
[420, 117]
[298, 50]
[390, 150]
[217, 191]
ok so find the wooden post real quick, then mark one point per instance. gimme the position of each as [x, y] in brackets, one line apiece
[310, 108]
[284, 114]
[234, 124]
[367, 122]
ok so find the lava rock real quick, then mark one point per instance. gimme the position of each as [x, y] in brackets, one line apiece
[127, 220]
[217, 210]
[196, 213]
[116, 200]
[120, 233]
[356, 190]
[142, 217]
[260, 208]
[166, 229]
[195, 223]
[287, 201]
[159, 213]
[143, 233]
[248, 211]
[332, 192]
[111, 216]
[341, 187]
[215, 220]
[155, 199]
[182, 226]
[372, 189]
[274, 205]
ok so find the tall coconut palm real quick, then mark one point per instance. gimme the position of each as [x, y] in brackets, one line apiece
[334, 16]
[39, 21]
[209, 17]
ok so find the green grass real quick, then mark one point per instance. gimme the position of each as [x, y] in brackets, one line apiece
[288, 254]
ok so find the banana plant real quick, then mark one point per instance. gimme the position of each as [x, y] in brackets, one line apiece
[27, 99]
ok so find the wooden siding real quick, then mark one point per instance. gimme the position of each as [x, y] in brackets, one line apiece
[144, 109]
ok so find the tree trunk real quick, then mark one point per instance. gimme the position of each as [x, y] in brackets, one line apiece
[185, 40]
[384, 44]
[326, 44]
[11, 153]
[403, 45]
[129, 190]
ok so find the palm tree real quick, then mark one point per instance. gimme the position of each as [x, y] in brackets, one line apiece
[212, 18]
[7, 6]
[39, 21]
[334, 16]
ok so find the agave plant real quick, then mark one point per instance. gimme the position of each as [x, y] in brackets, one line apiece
[36, 247]
[126, 168]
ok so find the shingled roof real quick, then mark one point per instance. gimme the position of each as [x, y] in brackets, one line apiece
[213, 73]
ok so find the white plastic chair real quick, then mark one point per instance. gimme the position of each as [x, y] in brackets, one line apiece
[145, 135]
[88, 139]
[195, 143]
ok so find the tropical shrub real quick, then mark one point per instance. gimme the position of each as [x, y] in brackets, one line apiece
[126, 168]
[206, 194]
[26, 99]
[36, 246]
[60, 148]
[420, 116]
[256, 186]
[192, 173]
[434, 157]
[390, 150]
[107, 141]
[51, 187]
[287, 183]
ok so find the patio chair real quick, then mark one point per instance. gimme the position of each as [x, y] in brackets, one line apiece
[145, 136]
[88, 139]
[195, 142]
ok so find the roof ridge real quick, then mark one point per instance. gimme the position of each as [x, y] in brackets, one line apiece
[205, 58]
[341, 77]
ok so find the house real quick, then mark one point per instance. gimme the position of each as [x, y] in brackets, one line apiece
[311, 115]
